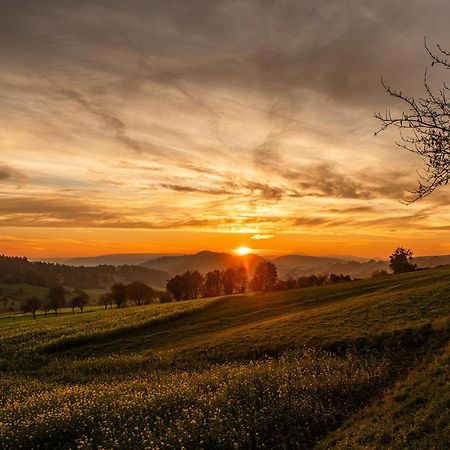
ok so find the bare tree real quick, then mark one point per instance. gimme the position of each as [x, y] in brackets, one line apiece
[425, 128]
[32, 304]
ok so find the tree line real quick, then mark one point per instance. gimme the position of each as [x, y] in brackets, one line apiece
[17, 270]
[135, 293]
[120, 294]
[55, 300]
[192, 284]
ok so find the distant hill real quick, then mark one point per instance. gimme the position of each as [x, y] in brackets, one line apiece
[203, 262]
[297, 265]
[432, 261]
[167, 265]
[115, 259]
[14, 270]
[287, 263]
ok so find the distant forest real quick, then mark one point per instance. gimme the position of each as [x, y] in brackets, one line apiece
[21, 270]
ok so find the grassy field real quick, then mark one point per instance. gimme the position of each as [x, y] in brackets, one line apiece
[12, 296]
[358, 365]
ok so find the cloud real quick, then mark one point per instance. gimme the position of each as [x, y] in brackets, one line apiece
[258, 237]
[209, 115]
[10, 175]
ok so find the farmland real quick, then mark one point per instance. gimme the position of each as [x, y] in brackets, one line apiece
[355, 365]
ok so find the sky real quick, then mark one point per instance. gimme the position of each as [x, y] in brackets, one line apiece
[177, 126]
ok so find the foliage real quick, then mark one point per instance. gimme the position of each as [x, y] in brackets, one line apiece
[79, 301]
[346, 365]
[265, 277]
[140, 293]
[187, 286]
[379, 273]
[119, 294]
[56, 297]
[400, 261]
[213, 286]
[32, 304]
[20, 270]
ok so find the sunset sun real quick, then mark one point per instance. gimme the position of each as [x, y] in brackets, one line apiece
[243, 250]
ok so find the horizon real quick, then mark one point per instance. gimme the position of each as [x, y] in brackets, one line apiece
[234, 252]
[173, 128]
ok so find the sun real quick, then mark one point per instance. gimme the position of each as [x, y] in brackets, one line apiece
[243, 250]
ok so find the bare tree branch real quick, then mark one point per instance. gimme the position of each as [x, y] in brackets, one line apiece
[425, 128]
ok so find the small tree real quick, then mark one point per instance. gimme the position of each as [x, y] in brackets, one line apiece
[400, 261]
[46, 307]
[164, 297]
[80, 300]
[291, 283]
[175, 287]
[32, 304]
[193, 281]
[56, 297]
[379, 273]
[106, 299]
[265, 278]
[140, 293]
[229, 281]
[213, 284]
[119, 294]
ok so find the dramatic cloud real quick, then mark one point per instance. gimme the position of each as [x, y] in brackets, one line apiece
[250, 117]
[10, 175]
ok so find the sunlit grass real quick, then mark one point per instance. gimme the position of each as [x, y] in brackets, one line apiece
[279, 370]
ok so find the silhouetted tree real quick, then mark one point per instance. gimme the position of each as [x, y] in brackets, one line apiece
[56, 297]
[175, 287]
[265, 277]
[106, 299]
[193, 281]
[119, 294]
[140, 293]
[213, 284]
[379, 273]
[80, 300]
[187, 286]
[334, 278]
[32, 304]
[241, 280]
[425, 127]
[291, 283]
[164, 297]
[46, 307]
[311, 280]
[401, 261]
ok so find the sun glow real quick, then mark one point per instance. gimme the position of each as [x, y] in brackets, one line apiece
[243, 250]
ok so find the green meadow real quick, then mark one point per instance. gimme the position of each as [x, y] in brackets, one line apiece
[356, 365]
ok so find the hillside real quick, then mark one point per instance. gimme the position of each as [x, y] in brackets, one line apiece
[357, 365]
[115, 259]
[204, 261]
[299, 265]
[19, 270]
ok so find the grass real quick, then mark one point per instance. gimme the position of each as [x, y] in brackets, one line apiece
[12, 296]
[357, 365]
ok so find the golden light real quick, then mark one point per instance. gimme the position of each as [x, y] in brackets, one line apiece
[243, 250]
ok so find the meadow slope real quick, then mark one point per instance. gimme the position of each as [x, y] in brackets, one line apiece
[358, 365]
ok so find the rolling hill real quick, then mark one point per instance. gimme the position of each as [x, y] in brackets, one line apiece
[116, 259]
[358, 365]
[204, 261]
[287, 265]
